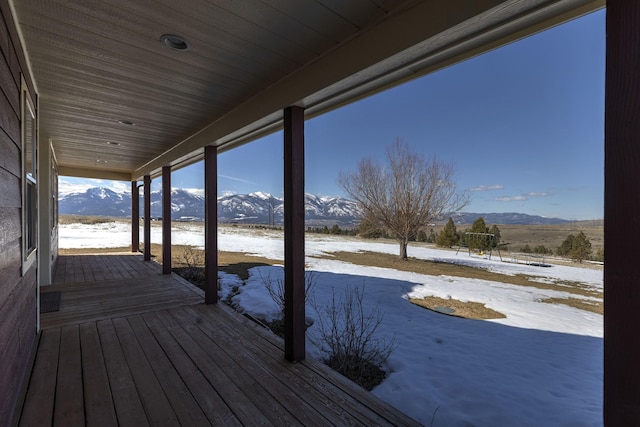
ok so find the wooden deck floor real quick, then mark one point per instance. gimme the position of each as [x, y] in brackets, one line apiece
[119, 354]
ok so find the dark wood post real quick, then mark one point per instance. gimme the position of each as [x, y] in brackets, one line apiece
[147, 218]
[211, 224]
[135, 217]
[621, 217]
[294, 284]
[166, 220]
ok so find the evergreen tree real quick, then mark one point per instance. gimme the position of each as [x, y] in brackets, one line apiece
[496, 233]
[526, 249]
[449, 235]
[565, 247]
[580, 247]
[480, 243]
[431, 238]
[541, 249]
[335, 229]
[422, 236]
[369, 228]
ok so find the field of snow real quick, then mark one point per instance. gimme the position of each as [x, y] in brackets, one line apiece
[540, 366]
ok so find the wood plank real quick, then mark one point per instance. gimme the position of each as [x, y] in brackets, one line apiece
[183, 402]
[155, 402]
[69, 404]
[326, 398]
[17, 335]
[207, 397]
[8, 86]
[10, 158]
[263, 394]
[9, 119]
[273, 380]
[4, 37]
[129, 409]
[10, 193]
[10, 268]
[98, 401]
[343, 393]
[235, 397]
[12, 371]
[38, 406]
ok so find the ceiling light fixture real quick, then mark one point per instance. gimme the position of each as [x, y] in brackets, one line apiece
[113, 143]
[174, 42]
[101, 161]
[126, 122]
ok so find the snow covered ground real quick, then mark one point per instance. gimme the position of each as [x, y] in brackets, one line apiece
[540, 366]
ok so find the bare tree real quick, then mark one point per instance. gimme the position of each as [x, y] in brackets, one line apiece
[406, 194]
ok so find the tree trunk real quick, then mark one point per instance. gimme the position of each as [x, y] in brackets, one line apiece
[403, 249]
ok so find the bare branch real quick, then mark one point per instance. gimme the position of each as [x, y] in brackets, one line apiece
[405, 195]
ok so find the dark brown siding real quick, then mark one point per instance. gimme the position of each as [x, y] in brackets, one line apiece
[17, 292]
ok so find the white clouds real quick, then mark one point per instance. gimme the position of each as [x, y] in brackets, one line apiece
[487, 188]
[522, 197]
[511, 198]
[70, 185]
[232, 178]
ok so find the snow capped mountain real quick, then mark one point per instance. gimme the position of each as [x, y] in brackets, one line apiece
[254, 208]
[188, 205]
[95, 201]
[513, 218]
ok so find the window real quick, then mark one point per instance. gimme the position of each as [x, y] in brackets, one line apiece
[29, 180]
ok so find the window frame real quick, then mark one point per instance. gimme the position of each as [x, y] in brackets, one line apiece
[29, 178]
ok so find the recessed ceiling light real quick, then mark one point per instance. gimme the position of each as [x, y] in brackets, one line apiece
[113, 143]
[174, 42]
[101, 161]
[126, 122]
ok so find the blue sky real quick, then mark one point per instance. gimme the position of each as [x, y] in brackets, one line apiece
[524, 125]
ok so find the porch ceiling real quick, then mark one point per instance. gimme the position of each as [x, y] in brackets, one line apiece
[95, 63]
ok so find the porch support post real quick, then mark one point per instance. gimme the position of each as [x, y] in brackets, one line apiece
[166, 220]
[135, 217]
[147, 218]
[211, 224]
[294, 283]
[621, 218]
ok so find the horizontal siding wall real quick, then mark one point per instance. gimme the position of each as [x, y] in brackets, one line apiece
[17, 292]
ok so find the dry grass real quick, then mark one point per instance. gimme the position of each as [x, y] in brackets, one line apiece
[239, 263]
[434, 268]
[468, 310]
[579, 303]
[551, 236]
[81, 219]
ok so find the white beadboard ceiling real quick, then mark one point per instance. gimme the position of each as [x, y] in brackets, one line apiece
[97, 62]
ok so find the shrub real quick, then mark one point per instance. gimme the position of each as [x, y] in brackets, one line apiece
[275, 288]
[347, 336]
[580, 248]
[449, 235]
[542, 250]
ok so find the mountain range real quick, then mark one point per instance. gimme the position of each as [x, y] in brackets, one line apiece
[253, 208]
